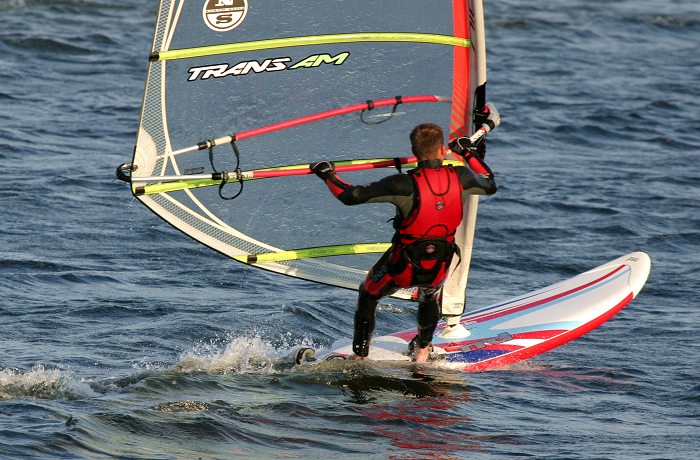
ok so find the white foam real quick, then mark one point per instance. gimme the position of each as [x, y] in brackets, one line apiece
[241, 355]
[42, 383]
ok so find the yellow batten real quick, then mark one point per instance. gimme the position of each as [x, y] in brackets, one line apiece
[308, 253]
[228, 48]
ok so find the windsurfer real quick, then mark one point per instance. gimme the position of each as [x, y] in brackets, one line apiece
[429, 202]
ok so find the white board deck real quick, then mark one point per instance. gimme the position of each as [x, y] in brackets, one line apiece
[528, 325]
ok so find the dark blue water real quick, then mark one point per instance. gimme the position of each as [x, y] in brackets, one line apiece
[119, 337]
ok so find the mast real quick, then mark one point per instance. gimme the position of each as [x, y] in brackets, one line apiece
[453, 300]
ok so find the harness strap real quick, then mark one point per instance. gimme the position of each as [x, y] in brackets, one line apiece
[437, 249]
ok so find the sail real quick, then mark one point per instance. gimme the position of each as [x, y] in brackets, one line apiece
[241, 97]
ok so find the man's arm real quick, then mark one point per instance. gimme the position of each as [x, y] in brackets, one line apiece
[396, 189]
[477, 179]
[480, 181]
[476, 176]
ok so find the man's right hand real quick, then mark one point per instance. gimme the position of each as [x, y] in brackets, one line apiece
[488, 118]
[461, 146]
[323, 169]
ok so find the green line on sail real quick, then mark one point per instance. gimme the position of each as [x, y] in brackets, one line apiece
[175, 186]
[201, 51]
[307, 253]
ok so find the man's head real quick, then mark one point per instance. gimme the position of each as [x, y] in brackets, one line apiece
[427, 142]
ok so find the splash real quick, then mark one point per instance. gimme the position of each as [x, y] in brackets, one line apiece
[13, 4]
[42, 383]
[242, 355]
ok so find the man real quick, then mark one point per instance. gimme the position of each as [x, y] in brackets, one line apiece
[429, 203]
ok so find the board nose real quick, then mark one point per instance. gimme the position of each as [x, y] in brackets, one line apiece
[640, 263]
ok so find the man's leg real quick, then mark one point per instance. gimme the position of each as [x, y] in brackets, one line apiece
[364, 322]
[377, 285]
[428, 316]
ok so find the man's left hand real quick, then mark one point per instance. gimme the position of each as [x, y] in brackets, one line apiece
[323, 169]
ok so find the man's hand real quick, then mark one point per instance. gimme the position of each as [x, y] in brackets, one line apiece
[462, 146]
[489, 118]
[485, 120]
[323, 169]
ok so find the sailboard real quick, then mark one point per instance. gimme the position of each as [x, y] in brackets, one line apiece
[241, 97]
[521, 327]
[238, 91]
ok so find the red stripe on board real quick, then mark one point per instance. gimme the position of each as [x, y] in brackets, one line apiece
[488, 316]
[548, 334]
[536, 335]
[548, 345]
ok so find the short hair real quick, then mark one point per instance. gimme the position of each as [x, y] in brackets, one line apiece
[426, 139]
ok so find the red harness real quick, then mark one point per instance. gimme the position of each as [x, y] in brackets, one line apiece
[437, 210]
[424, 242]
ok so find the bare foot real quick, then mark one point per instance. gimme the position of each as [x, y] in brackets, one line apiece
[420, 355]
[358, 358]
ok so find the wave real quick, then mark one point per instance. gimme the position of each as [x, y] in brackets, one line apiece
[46, 45]
[43, 383]
[243, 355]
[667, 21]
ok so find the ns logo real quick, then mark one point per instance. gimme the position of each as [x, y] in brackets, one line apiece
[224, 15]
